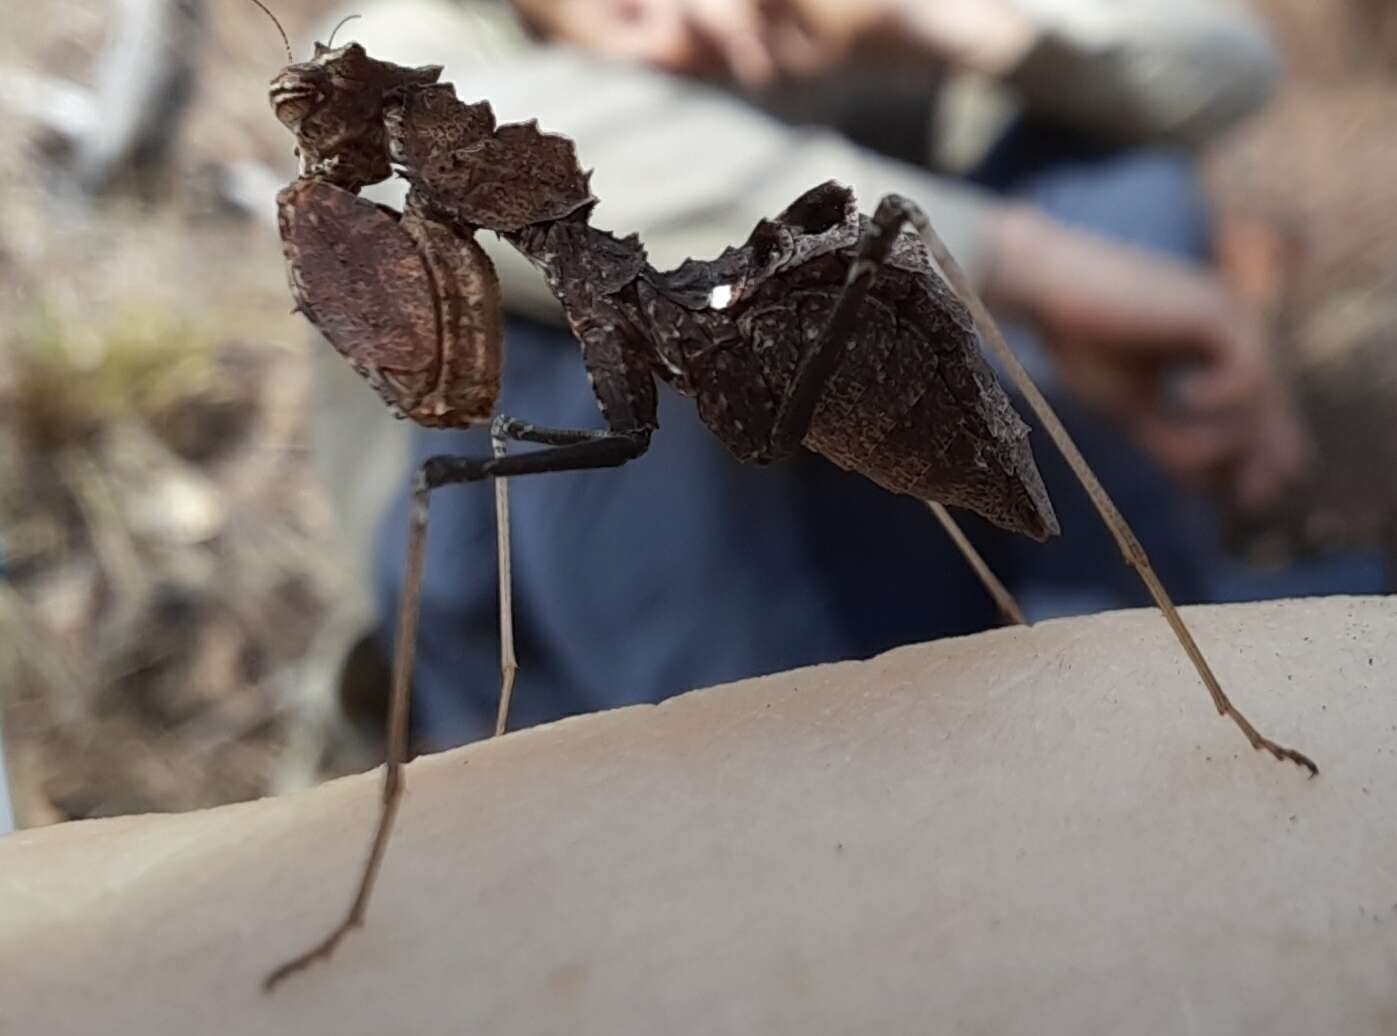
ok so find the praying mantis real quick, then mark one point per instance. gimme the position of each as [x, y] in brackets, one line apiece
[856, 337]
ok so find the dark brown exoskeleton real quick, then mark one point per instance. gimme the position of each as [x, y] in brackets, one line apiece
[827, 330]
[901, 394]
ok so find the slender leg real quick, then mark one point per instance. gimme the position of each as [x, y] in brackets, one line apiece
[583, 450]
[1008, 607]
[509, 665]
[892, 213]
[405, 642]
[505, 427]
[596, 450]
[502, 429]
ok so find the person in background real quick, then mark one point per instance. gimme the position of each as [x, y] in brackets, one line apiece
[1082, 222]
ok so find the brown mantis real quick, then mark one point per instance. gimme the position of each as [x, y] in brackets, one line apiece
[826, 330]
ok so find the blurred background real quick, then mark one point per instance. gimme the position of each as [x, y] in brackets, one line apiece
[186, 531]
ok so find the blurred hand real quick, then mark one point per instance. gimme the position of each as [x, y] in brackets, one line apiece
[718, 39]
[1160, 346]
[754, 42]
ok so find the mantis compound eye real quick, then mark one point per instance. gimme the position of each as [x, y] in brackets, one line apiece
[294, 96]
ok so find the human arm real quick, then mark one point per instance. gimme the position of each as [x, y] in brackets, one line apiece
[1158, 71]
[690, 168]
[1156, 344]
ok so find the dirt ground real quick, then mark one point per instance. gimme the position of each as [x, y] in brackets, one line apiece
[164, 548]
[165, 555]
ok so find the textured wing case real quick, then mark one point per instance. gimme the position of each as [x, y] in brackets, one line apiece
[414, 313]
[913, 406]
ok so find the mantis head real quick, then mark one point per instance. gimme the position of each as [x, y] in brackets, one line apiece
[333, 104]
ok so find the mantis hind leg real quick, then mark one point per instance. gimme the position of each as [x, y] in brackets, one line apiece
[893, 214]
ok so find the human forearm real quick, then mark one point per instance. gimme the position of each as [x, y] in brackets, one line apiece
[1157, 344]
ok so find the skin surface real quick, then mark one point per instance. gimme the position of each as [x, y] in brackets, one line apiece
[1027, 831]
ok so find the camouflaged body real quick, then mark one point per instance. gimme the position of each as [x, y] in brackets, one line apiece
[912, 406]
